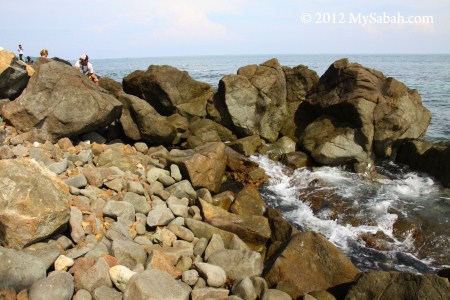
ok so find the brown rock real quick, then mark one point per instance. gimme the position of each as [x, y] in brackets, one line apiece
[309, 263]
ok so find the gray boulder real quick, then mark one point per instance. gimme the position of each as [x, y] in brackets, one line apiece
[254, 100]
[60, 102]
[141, 121]
[361, 111]
[301, 82]
[169, 90]
[34, 203]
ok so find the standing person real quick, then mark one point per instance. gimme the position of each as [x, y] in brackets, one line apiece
[86, 68]
[44, 53]
[20, 52]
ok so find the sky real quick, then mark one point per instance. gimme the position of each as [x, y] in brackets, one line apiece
[148, 28]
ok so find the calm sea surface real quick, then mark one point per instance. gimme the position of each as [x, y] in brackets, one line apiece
[371, 209]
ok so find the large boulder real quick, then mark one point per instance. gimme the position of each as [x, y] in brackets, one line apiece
[33, 203]
[144, 122]
[14, 75]
[362, 110]
[425, 156]
[169, 90]
[204, 166]
[309, 262]
[254, 100]
[394, 285]
[60, 102]
[301, 82]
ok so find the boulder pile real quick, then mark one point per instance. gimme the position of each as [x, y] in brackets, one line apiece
[144, 192]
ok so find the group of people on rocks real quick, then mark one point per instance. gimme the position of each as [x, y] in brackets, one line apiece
[83, 64]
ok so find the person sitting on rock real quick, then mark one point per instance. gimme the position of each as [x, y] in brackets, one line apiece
[86, 68]
[29, 60]
[44, 53]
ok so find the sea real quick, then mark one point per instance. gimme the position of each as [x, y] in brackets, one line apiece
[399, 223]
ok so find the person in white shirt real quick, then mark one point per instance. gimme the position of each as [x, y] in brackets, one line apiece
[86, 68]
[20, 52]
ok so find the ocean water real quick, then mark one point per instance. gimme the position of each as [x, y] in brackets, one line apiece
[365, 209]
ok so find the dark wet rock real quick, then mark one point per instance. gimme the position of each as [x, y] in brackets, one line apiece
[393, 285]
[60, 102]
[424, 156]
[296, 159]
[243, 170]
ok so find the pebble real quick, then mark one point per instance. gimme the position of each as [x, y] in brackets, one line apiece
[120, 275]
[62, 263]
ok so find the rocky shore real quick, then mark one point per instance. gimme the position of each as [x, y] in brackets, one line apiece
[143, 189]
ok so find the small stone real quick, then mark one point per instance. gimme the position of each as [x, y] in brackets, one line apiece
[120, 275]
[166, 180]
[82, 295]
[190, 277]
[215, 276]
[155, 187]
[120, 209]
[93, 137]
[117, 184]
[128, 253]
[139, 202]
[209, 293]
[215, 244]
[141, 147]
[94, 277]
[136, 187]
[63, 262]
[175, 172]
[77, 181]
[159, 217]
[58, 167]
[276, 294]
[164, 237]
[143, 240]
[200, 246]
[184, 264]
[182, 232]
[244, 289]
[154, 173]
[76, 229]
[140, 229]
[106, 293]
